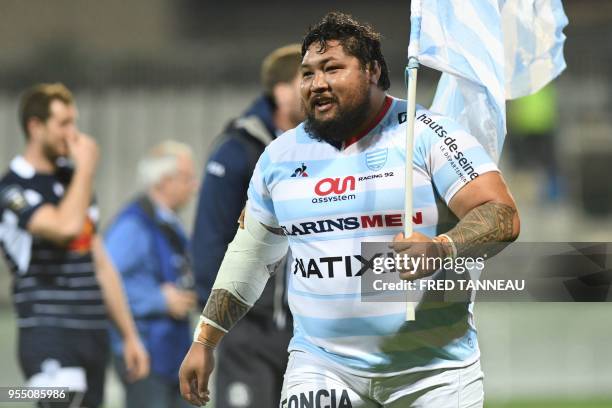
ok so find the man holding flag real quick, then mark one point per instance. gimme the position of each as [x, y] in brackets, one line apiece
[345, 352]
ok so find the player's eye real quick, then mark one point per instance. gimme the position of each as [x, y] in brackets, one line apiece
[306, 74]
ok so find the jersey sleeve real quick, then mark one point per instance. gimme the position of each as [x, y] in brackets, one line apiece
[259, 204]
[20, 202]
[451, 156]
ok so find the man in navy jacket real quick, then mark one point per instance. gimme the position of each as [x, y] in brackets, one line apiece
[246, 365]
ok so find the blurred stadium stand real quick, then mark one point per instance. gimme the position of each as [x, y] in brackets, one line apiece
[147, 70]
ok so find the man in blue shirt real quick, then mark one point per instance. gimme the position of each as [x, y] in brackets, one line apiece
[148, 245]
[246, 365]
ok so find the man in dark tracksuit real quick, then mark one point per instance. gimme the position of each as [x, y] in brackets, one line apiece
[253, 358]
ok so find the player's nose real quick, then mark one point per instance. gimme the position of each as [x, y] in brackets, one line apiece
[319, 83]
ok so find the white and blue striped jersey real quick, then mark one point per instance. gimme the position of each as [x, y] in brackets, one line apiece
[330, 200]
[54, 285]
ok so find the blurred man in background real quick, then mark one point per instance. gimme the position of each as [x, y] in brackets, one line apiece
[64, 283]
[253, 359]
[148, 245]
[533, 145]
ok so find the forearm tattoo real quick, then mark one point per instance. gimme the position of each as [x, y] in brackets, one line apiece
[224, 308]
[488, 223]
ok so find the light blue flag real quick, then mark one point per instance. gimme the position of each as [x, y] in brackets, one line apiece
[488, 51]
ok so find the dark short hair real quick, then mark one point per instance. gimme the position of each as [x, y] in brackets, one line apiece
[280, 66]
[36, 102]
[357, 39]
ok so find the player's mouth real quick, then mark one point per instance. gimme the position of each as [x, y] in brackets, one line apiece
[322, 104]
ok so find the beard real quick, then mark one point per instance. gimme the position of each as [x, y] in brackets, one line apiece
[343, 124]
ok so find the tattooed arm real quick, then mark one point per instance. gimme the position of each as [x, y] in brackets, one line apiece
[244, 272]
[224, 308]
[240, 281]
[221, 312]
[487, 214]
[488, 223]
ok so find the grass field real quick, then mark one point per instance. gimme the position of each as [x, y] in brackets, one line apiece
[10, 375]
[551, 404]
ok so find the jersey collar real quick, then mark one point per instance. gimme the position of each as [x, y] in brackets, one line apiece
[22, 168]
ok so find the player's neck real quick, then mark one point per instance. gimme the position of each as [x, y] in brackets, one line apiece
[33, 154]
[379, 107]
[377, 104]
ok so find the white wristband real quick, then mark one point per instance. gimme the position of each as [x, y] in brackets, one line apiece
[452, 245]
[202, 321]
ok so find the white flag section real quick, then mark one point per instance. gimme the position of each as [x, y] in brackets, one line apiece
[488, 51]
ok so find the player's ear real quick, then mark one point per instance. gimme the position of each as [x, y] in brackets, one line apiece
[34, 126]
[375, 72]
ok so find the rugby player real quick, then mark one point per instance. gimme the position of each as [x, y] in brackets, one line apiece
[345, 352]
[64, 283]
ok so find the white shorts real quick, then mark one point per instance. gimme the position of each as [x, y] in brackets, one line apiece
[312, 382]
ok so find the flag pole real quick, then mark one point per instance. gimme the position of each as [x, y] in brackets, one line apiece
[411, 82]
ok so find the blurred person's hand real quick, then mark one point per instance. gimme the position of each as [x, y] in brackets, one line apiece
[180, 302]
[195, 372]
[136, 359]
[83, 150]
